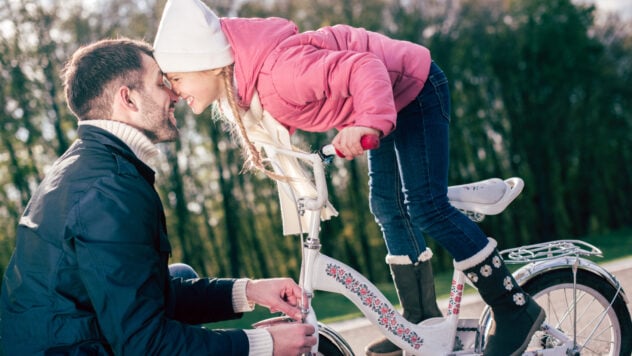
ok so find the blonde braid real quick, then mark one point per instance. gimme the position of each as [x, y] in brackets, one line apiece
[251, 153]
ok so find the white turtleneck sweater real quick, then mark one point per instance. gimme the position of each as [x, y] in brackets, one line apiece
[142, 147]
[260, 340]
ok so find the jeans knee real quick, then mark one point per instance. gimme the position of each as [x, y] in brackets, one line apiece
[426, 214]
[386, 211]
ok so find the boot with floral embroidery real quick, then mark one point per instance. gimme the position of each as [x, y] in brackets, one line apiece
[516, 315]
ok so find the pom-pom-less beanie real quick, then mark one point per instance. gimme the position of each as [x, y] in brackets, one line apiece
[190, 38]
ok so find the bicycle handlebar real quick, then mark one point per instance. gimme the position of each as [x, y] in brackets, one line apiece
[368, 142]
[323, 155]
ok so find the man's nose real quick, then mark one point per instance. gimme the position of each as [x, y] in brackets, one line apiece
[173, 95]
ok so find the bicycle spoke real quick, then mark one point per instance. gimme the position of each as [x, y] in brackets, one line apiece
[594, 327]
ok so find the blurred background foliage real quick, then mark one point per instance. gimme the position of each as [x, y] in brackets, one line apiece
[540, 90]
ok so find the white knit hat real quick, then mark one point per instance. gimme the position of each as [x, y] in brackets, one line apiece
[190, 38]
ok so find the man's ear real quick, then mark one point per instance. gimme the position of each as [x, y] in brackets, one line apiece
[126, 99]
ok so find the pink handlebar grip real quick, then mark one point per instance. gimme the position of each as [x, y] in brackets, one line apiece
[368, 142]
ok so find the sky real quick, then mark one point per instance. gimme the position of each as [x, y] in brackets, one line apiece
[624, 7]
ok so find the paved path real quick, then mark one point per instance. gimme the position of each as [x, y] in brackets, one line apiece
[359, 332]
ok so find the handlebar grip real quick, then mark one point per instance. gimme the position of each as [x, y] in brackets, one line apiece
[368, 142]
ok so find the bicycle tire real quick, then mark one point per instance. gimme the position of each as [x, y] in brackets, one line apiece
[553, 290]
[326, 347]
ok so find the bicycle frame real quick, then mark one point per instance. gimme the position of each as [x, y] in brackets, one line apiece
[327, 274]
[436, 336]
[321, 272]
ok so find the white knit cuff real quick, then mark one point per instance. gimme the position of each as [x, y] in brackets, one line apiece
[425, 256]
[240, 301]
[398, 260]
[478, 257]
[260, 342]
[405, 260]
[140, 144]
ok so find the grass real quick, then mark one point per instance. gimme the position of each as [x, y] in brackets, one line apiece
[333, 307]
[616, 245]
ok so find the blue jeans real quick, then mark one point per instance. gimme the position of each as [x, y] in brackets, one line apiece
[408, 180]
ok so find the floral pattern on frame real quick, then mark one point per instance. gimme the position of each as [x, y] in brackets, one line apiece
[387, 317]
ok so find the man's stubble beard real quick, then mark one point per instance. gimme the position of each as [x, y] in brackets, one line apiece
[162, 130]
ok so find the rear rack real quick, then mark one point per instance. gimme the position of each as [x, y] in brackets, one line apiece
[549, 250]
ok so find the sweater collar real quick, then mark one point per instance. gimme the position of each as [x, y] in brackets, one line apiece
[142, 147]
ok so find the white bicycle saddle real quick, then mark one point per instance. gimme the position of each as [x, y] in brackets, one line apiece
[487, 197]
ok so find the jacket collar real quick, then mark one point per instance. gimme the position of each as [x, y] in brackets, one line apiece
[114, 143]
[140, 144]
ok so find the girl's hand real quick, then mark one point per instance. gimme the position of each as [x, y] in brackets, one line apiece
[347, 141]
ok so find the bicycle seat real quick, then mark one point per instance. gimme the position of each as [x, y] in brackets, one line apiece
[487, 197]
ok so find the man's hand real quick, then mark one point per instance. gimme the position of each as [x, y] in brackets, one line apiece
[292, 338]
[277, 294]
[347, 141]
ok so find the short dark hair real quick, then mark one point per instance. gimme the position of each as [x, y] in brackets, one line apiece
[94, 67]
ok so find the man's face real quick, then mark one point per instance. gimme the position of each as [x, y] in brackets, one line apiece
[157, 105]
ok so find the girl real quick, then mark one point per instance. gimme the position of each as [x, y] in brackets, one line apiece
[360, 83]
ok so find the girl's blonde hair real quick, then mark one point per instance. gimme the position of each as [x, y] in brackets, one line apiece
[251, 154]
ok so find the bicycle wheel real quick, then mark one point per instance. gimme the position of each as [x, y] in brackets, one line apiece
[327, 347]
[597, 328]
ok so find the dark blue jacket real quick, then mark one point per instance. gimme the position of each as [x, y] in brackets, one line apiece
[89, 274]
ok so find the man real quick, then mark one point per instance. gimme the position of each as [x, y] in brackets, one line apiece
[89, 274]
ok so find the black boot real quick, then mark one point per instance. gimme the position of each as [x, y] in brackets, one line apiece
[416, 292]
[516, 315]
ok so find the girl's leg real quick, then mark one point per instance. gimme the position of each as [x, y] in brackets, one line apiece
[422, 149]
[421, 144]
[408, 257]
[387, 203]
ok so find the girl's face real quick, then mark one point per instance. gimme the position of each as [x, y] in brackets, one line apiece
[198, 89]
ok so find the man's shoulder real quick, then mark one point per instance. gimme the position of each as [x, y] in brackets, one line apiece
[90, 164]
[85, 159]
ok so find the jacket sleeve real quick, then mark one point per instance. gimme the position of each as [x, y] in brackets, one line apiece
[116, 225]
[306, 73]
[202, 300]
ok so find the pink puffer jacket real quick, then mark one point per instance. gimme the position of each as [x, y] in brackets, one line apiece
[330, 78]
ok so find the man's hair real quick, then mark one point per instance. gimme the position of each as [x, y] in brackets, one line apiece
[94, 72]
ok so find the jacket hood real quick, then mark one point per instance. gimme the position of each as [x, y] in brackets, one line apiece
[266, 33]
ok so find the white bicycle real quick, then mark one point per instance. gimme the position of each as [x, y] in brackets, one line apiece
[586, 307]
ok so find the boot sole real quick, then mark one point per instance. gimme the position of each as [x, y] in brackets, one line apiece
[536, 325]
